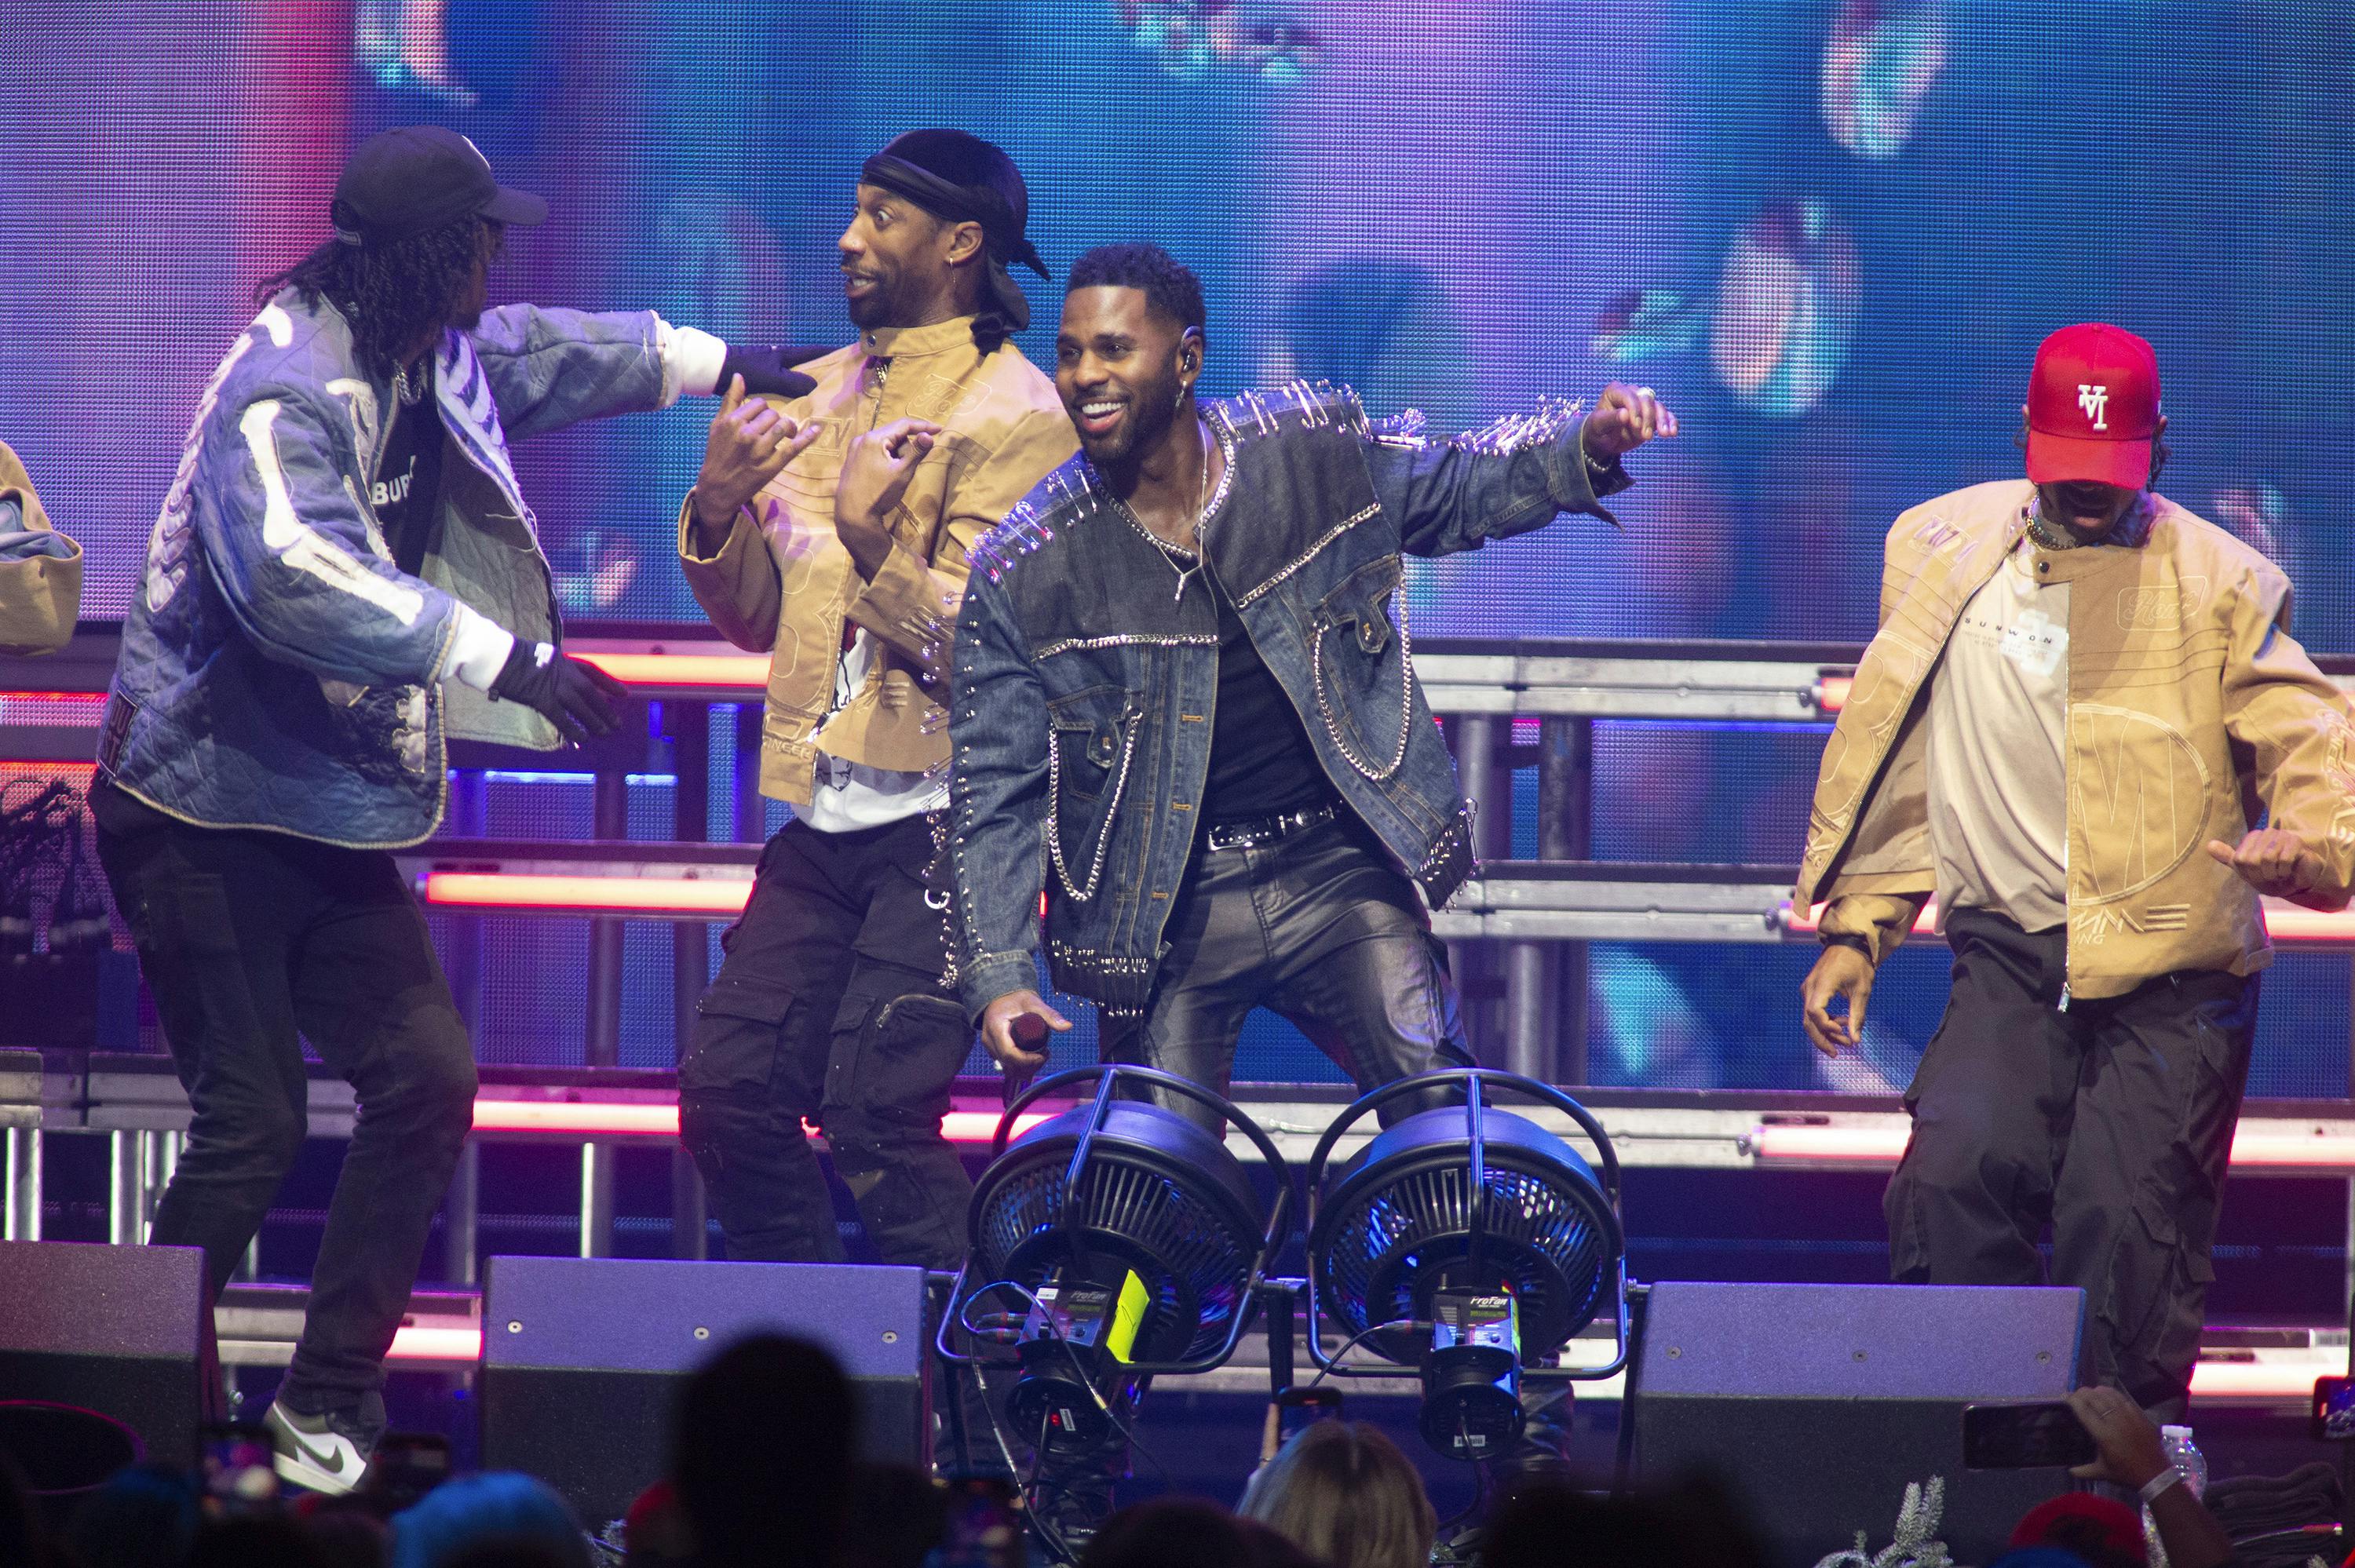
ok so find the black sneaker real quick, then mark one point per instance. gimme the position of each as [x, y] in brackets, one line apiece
[325, 1453]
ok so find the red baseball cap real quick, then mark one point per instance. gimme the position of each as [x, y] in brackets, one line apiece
[2093, 408]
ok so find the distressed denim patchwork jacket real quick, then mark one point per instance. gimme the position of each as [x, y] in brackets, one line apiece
[1083, 691]
[278, 671]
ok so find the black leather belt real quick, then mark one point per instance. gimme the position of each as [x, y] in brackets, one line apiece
[1250, 832]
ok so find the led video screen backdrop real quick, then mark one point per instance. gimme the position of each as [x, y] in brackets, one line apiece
[1830, 234]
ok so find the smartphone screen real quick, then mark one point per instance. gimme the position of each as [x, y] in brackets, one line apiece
[238, 1463]
[2334, 1408]
[1302, 1405]
[2024, 1437]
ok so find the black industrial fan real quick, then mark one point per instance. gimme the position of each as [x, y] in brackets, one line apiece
[1470, 1241]
[1130, 1236]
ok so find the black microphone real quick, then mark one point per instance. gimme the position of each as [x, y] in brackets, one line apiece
[1029, 1032]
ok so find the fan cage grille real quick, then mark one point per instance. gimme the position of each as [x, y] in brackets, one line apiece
[1193, 1261]
[1549, 1245]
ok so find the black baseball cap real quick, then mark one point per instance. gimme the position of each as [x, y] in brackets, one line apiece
[413, 179]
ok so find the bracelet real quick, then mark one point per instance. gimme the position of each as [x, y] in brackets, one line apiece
[1848, 940]
[2151, 1488]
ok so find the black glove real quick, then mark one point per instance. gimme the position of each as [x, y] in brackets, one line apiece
[577, 698]
[766, 370]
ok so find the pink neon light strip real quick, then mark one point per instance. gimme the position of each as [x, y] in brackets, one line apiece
[2282, 1380]
[749, 672]
[607, 1118]
[415, 1344]
[1832, 692]
[2253, 1147]
[2284, 922]
[2209, 1379]
[587, 895]
[1923, 923]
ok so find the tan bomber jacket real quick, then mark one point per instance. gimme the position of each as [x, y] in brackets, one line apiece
[786, 588]
[2191, 708]
[40, 595]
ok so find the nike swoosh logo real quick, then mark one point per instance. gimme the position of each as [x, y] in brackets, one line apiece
[329, 1459]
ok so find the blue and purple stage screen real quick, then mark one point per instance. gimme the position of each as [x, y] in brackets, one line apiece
[1830, 234]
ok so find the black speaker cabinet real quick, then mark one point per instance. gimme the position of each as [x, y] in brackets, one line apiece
[1817, 1404]
[582, 1359]
[112, 1328]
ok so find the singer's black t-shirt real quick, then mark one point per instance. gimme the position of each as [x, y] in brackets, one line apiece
[1261, 760]
[407, 488]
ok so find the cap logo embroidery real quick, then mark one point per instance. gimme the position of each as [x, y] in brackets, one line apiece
[2096, 401]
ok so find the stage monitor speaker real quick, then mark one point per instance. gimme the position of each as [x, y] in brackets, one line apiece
[112, 1328]
[582, 1359]
[1817, 1404]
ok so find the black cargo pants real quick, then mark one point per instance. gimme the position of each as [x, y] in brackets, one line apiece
[828, 1006]
[2111, 1121]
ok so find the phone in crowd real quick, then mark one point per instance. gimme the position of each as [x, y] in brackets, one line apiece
[238, 1464]
[2024, 1436]
[1317, 1399]
[405, 1466]
[2334, 1408]
[984, 1525]
[1314, 1404]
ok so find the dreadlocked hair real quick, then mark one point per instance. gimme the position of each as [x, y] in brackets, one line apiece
[390, 294]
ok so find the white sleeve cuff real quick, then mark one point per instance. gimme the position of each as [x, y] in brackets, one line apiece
[691, 362]
[478, 651]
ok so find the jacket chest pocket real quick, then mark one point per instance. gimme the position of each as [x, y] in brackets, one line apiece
[1092, 738]
[1361, 666]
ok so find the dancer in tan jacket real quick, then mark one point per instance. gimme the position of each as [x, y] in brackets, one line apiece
[2082, 702]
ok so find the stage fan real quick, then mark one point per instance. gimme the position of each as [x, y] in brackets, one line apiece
[1130, 1238]
[1469, 1241]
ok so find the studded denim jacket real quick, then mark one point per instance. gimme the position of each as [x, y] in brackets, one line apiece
[1082, 689]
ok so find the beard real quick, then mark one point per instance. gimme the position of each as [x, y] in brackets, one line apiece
[884, 305]
[1152, 410]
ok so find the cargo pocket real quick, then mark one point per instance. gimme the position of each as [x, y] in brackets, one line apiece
[738, 1028]
[902, 1059]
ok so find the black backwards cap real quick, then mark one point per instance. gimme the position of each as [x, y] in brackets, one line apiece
[960, 178]
[413, 179]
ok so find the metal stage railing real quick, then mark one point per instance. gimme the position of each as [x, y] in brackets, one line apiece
[1521, 924]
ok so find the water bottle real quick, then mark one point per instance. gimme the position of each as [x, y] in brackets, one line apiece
[2185, 1455]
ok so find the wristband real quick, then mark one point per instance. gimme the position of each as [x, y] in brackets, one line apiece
[1848, 940]
[2151, 1488]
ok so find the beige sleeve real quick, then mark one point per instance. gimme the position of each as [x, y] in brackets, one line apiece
[912, 601]
[40, 598]
[739, 586]
[2295, 721]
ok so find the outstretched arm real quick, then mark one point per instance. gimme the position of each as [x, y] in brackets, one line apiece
[1514, 475]
[547, 368]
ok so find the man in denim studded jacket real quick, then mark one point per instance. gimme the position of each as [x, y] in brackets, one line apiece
[343, 573]
[1182, 680]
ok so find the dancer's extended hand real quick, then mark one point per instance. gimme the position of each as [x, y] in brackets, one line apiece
[1007, 1021]
[1625, 418]
[2275, 862]
[749, 444]
[1840, 971]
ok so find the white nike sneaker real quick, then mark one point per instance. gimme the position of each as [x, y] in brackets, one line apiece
[324, 1453]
